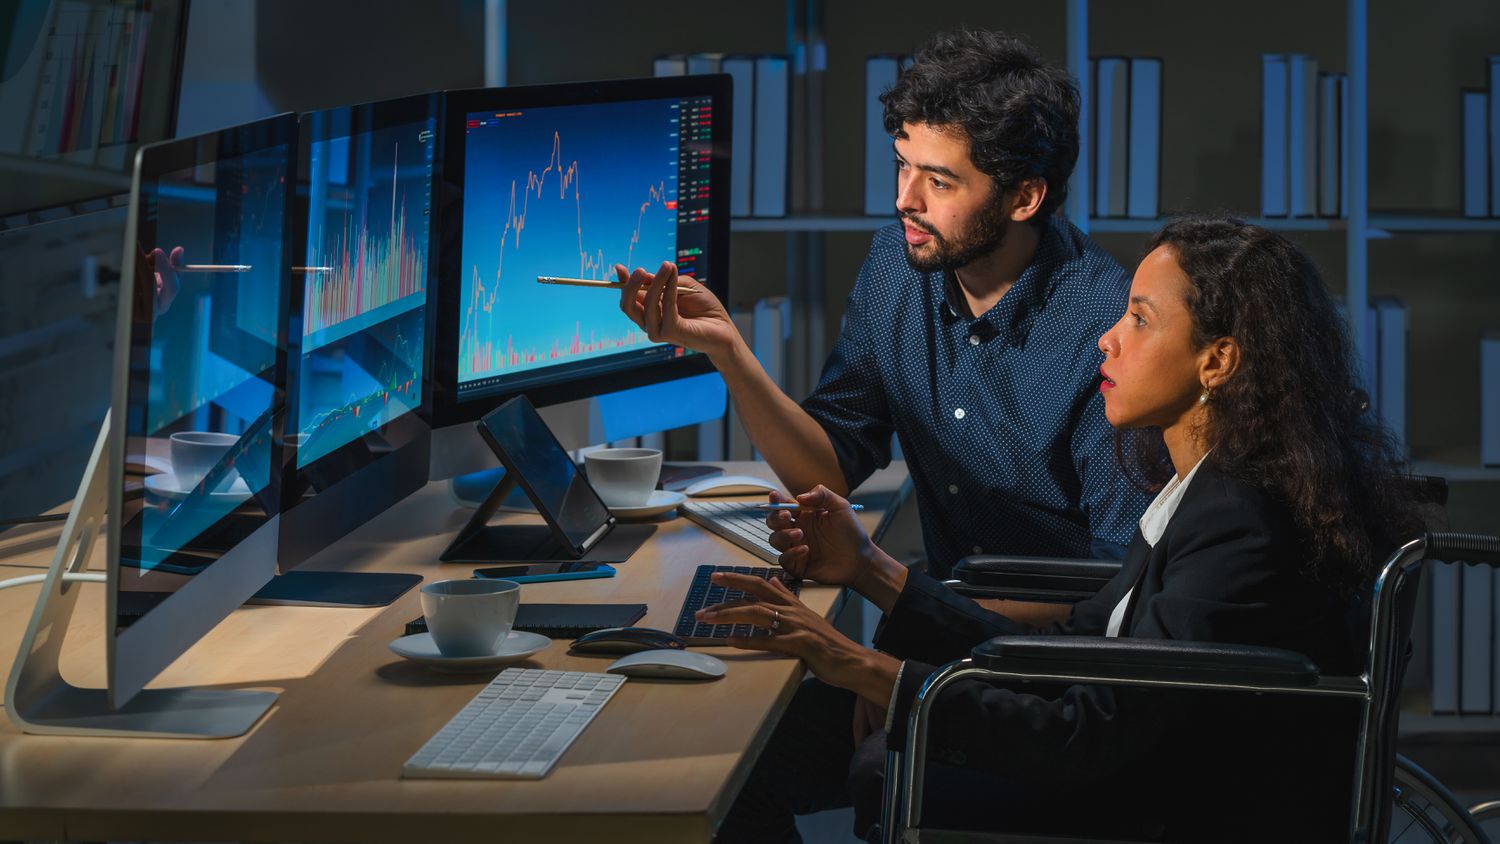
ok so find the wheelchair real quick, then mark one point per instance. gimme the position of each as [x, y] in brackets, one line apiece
[1395, 800]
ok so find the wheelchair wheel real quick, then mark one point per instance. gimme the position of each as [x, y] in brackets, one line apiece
[1423, 809]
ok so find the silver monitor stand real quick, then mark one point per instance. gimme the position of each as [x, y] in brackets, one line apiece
[37, 697]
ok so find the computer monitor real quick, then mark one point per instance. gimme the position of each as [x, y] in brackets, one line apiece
[199, 386]
[568, 180]
[358, 440]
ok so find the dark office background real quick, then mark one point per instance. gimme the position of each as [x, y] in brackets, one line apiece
[240, 60]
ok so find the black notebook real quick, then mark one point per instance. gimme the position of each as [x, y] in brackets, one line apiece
[563, 621]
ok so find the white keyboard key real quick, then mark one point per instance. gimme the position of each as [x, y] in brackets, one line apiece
[516, 727]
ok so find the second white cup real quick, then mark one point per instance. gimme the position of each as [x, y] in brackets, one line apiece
[470, 617]
[624, 477]
[194, 453]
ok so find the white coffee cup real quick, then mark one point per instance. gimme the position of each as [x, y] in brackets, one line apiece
[194, 453]
[624, 477]
[470, 617]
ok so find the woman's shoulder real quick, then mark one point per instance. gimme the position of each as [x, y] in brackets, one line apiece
[1228, 502]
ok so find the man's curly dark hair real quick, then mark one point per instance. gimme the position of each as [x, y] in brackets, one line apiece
[1019, 113]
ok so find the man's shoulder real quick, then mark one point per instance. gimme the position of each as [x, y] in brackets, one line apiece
[888, 251]
[887, 276]
[1088, 279]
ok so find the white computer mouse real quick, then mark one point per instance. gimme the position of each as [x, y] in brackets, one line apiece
[730, 485]
[668, 664]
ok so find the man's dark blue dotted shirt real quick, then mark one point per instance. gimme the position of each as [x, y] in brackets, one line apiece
[999, 417]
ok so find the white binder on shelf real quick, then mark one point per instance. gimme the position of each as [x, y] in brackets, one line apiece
[1371, 362]
[1369, 367]
[772, 330]
[1494, 81]
[1274, 146]
[701, 63]
[742, 134]
[1445, 621]
[1476, 156]
[881, 73]
[1112, 135]
[772, 139]
[1489, 399]
[711, 440]
[1343, 144]
[1476, 661]
[674, 64]
[1302, 134]
[738, 441]
[1330, 145]
[1391, 334]
[1143, 183]
[1495, 643]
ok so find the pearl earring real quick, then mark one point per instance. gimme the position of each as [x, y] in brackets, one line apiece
[1205, 396]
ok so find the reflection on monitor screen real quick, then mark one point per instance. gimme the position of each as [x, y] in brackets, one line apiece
[365, 283]
[203, 389]
[572, 190]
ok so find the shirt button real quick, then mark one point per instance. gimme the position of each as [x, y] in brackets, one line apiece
[953, 489]
[978, 550]
[973, 339]
[958, 414]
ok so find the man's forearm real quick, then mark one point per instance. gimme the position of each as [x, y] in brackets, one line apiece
[792, 442]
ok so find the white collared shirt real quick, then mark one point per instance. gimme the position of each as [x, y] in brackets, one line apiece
[1153, 525]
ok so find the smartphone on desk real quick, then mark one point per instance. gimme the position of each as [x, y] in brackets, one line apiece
[538, 572]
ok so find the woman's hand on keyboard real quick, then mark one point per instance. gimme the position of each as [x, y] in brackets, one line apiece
[823, 541]
[798, 631]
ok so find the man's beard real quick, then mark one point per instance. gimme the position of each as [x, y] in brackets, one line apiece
[984, 235]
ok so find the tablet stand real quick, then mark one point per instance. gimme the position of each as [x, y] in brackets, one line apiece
[482, 542]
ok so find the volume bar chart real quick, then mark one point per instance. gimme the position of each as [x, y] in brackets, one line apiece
[365, 287]
[369, 277]
[600, 188]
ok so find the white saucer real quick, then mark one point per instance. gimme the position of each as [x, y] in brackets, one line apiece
[661, 501]
[419, 647]
[165, 484]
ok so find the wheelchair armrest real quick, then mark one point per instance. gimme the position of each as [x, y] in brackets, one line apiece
[1463, 547]
[1148, 660]
[1047, 579]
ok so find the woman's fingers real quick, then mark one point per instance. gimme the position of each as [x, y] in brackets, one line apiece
[786, 540]
[757, 614]
[755, 586]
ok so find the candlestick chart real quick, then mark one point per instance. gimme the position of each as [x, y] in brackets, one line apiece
[365, 287]
[561, 191]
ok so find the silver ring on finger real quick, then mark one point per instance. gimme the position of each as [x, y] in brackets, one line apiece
[775, 621]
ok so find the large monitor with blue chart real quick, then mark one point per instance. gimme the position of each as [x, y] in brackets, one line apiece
[569, 180]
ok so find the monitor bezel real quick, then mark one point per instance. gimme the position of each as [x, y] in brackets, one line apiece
[411, 428]
[447, 409]
[190, 611]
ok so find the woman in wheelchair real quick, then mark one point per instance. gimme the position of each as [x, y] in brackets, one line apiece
[1232, 384]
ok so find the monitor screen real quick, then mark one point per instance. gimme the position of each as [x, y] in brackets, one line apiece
[205, 354]
[567, 181]
[368, 194]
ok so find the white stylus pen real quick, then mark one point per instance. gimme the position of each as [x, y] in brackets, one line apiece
[770, 506]
[598, 283]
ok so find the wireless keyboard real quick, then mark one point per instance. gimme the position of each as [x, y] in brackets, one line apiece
[704, 593]
[737, 521]
[516, 727]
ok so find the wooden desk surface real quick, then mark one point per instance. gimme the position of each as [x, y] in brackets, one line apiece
[661, 762]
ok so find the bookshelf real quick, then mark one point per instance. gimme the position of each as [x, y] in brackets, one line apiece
[823, 244]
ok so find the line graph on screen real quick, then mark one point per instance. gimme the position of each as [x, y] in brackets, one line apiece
[588, 200]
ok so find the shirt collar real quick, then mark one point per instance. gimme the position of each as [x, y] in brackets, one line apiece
[1011, 316]
[1154, 521]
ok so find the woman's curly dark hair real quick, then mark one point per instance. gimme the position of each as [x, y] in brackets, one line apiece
[1291, 421]
[1019, 113]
